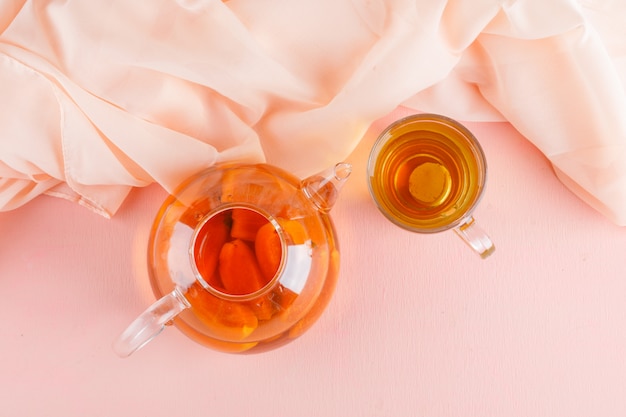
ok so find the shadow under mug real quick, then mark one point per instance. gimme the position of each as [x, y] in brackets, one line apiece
[427, 173]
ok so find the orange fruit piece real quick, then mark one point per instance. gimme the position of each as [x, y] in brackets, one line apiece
[257, 184]
[246, 224]
[294, 230]
[284, 297]
[195, 212]
[238, 268]
[267, 246]
[227, 320]
[268, 250]
[263, 307]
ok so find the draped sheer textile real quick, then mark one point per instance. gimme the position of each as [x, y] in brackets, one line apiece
[100, 96]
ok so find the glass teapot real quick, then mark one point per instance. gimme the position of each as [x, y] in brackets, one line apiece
[242, 258]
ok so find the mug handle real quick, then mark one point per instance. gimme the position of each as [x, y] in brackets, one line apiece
[475, 237]
[150, 323]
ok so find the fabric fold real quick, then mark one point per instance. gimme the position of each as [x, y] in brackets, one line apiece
[573, 110]
[99, 97]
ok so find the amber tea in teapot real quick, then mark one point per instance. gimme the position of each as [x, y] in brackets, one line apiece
[242, 258]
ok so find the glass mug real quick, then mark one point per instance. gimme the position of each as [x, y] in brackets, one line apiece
[242, 258]
[427, 174]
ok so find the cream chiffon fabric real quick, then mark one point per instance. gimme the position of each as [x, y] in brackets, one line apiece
[101, 96]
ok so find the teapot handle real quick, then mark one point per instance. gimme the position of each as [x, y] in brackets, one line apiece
[150, 323]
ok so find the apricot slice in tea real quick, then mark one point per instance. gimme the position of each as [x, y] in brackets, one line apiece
[239, 270]
[208, 244]
[226, 319]
[256, 185]
[295, 230]
[268, 250]
[267, 245]
[246, 224]
[263, 307]
[194, 213]
[284, 297]
[277, 302]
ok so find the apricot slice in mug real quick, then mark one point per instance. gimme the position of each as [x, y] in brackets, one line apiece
[226, 319]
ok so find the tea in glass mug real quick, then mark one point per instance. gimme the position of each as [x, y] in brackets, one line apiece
[427, 173]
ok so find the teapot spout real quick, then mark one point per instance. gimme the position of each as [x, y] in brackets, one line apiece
[322, 189]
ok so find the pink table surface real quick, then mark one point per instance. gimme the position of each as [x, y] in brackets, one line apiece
[418, 326]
